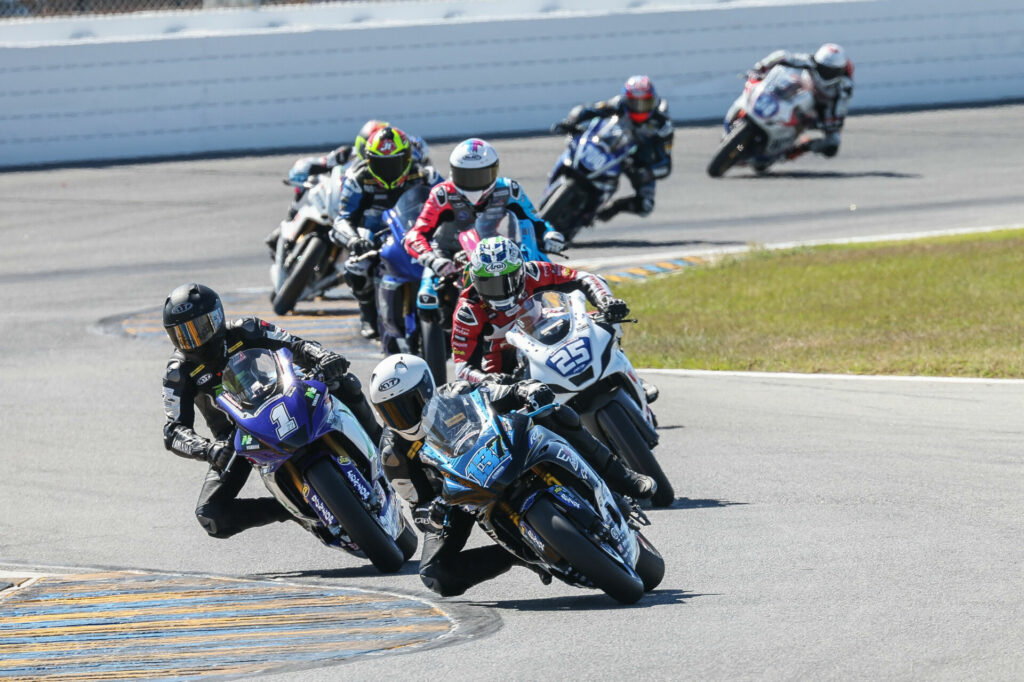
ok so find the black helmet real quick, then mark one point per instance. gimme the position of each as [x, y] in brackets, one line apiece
[194, 319]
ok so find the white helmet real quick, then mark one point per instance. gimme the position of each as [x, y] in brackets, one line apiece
[831, 63]
[400, 387]
[474, 165]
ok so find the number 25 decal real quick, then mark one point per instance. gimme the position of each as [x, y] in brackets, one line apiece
[282, 420]
[571, 358]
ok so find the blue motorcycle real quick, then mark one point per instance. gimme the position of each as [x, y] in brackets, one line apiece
[537, 498]
[398, 277]
[314, 457]
[586, 175]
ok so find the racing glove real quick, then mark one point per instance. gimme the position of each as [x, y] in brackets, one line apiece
[334, 368]
[613, 309]
[357, 246]
[563, 126]
[442, 267]
[554, 241]
[534, 394]
[496, 378]
[219, 454]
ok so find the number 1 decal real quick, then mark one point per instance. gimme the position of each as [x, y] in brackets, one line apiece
[282, 420]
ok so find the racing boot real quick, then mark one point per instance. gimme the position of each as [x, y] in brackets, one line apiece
[623, 480]
[368, 320]
[650, 391]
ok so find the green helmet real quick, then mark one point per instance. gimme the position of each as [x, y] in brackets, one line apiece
[496, 269]
[368, 129]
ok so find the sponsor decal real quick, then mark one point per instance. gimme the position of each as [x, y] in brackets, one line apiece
[415, 448]
[197, 370]
[568, 457]
[465, 314]
[390, 383]
[236, 346]
[322, 510]
[455, 419]
[442, 196]
[203, 379]
[181, 308]
[357, 484]
[460, 337]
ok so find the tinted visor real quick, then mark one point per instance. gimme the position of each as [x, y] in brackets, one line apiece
[830, 72]
[194, 333]
[640, 106]
[390, 169]
[475, 179]
[500, 287]
[405, 411]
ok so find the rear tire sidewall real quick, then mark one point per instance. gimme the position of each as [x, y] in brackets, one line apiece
[584, 556]
[382, 551]
[563, 208]
[732, 149]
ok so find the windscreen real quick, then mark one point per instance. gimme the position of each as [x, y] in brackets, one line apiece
[611, 134]
[505, 226]
[454, 423]
[251, 377]
[547, 317]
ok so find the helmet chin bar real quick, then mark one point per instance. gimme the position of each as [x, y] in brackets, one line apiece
[475, 197]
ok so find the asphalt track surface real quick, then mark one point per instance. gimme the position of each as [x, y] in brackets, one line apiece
[826, 528]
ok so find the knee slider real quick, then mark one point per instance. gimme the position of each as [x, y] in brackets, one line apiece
[439, 581]
[212, 521]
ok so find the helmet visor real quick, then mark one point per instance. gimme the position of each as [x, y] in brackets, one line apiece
[501, 287]
[390, 169]
[192, 334]
[639, 105]
[405, 411]
[475, 179]
[830, 72]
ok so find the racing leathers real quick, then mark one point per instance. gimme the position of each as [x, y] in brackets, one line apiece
[650, 161]
[831, 100]
[362, 202]
[435, 236]
[445, 566]
[478, 331]
[188, 384]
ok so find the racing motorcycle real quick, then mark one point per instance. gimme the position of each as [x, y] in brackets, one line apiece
[579, 357]
[314, 457]
[586, 175]
[764, 122]
[438, 296]
[537, 498]
[306, 262]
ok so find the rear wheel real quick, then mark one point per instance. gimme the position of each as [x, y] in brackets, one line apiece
[407, 542]
[298, 279]
[649, 565]
[627, 442]
[564, 208]
[735, 147]
[584, 556]
[380, 549]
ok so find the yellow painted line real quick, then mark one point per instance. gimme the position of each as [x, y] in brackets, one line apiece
[668, 265]
[638, 271]
[694, 259]
[615, 278]
[177, 594]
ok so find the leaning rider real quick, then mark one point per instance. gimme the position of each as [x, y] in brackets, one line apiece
[194, 320]
[400, 387]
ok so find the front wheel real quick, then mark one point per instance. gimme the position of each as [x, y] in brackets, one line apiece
[298, 279]
[627, 442]
[732, 149]
[564, 209]
[584, 556]
[383, 552]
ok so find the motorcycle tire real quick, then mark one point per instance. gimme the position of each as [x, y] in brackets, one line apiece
[435, 349]
[563, 209]
[407, 542]
[383, 552]
[732, 149]
[626, 440]
[298, 279]
[650, 566]
[585, 557]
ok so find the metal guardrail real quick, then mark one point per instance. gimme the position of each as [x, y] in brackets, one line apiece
[25, 9]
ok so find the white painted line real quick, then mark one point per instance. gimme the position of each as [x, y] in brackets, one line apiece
[797, 375]
[727, 250]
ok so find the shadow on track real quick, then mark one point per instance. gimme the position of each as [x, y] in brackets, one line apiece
[645, 243]
[688, 503]
[824, 175]
[594, 601]
[410, 567]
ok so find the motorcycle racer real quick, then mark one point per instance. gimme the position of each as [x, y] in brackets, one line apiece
[652, 160]
[400, 387]
[500, 282]
[832, 76]
[473, 189]
[371, 186]
[193, 318]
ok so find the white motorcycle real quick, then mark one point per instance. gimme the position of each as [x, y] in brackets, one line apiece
[306, 263]
[764, 122]
[579, 357]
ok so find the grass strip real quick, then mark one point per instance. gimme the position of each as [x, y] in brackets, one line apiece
[947, 306]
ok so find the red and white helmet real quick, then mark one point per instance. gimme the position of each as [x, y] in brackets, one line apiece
[640, 98]
[474, 166]
[831, 63]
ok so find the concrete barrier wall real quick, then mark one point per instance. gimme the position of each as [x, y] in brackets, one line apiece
[262, 89]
